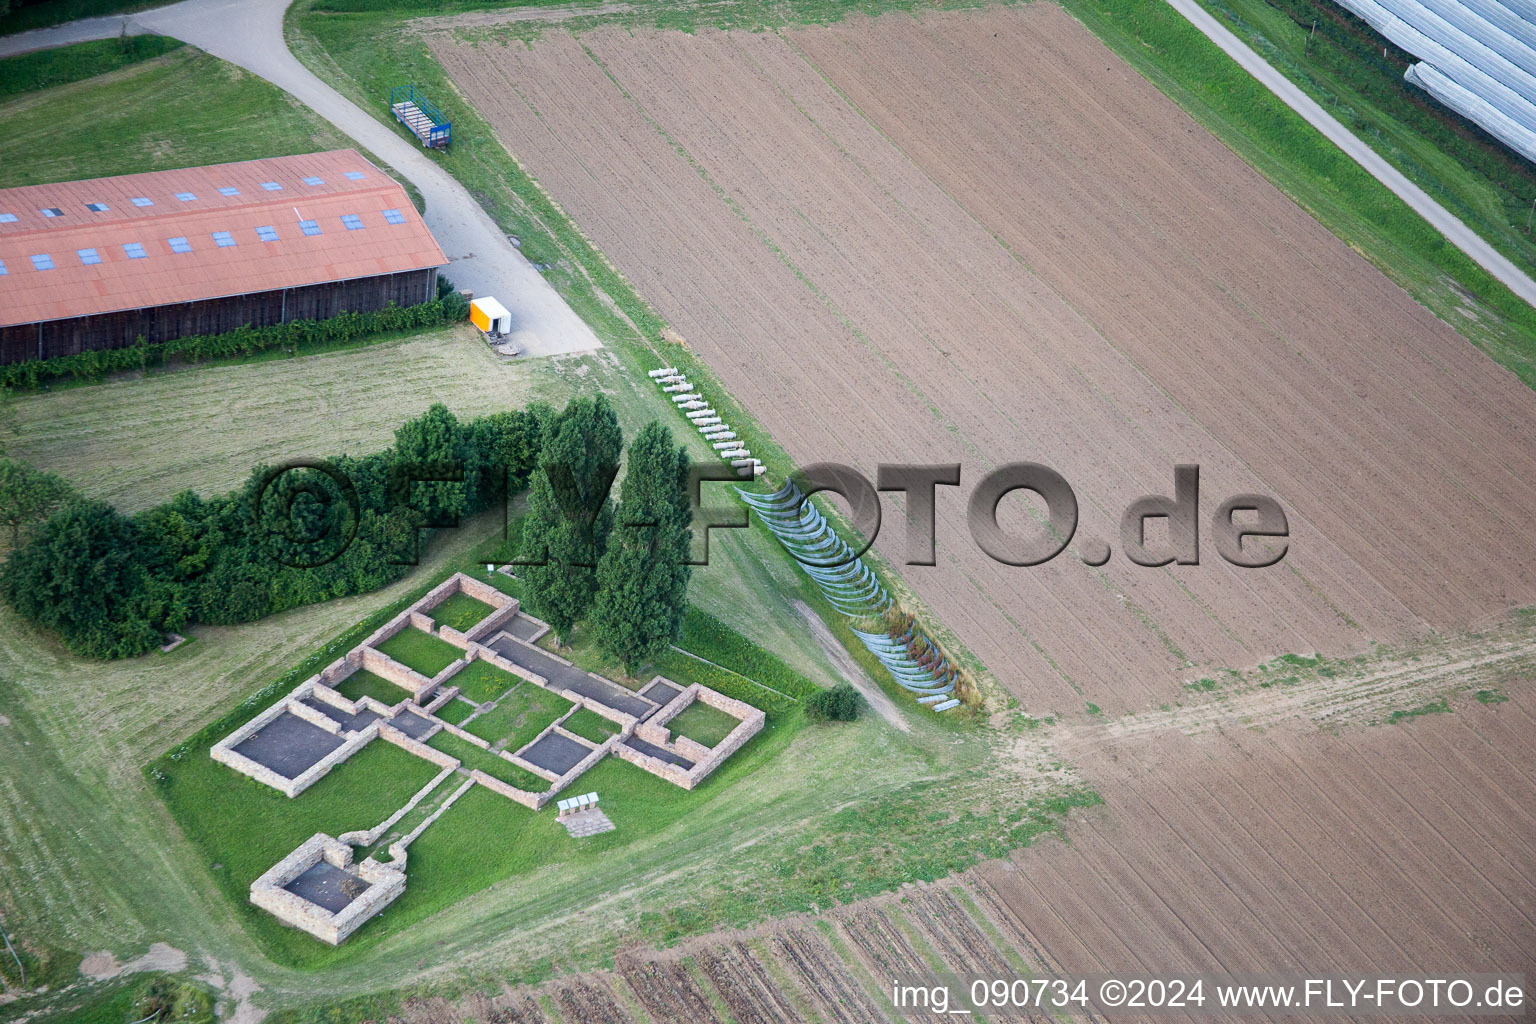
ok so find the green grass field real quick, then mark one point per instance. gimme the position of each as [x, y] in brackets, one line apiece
[460, 611]
[703, 724]
[363, 683]
[246, 827]
[590, 725]
[177, 110]
[420, 651]
[480, 681]
[455, 711]
[519, 717]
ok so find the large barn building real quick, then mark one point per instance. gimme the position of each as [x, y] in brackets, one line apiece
[97, 264]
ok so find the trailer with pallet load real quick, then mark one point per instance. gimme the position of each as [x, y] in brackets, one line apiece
[420, 117]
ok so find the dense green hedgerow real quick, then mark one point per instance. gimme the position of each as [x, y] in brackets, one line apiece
[243, 341]
[111, 585]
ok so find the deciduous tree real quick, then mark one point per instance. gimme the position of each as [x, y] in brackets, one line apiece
[28, 495]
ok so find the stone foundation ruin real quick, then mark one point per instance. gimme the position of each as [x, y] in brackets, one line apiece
[298, 740]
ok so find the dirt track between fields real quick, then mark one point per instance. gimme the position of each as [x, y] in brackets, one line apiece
[1300, 849]
[896, 241]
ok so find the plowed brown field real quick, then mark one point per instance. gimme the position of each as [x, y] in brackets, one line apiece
[979, 237]
[1373, 852]
[1395, 850]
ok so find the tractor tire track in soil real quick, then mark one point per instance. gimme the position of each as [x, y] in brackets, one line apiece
[668, 994]
[750, 993]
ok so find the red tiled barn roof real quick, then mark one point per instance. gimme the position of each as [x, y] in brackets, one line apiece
[314, 187]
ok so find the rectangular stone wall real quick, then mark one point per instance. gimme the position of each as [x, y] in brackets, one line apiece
[728, 746]
[477, 650]
[666, 770]
[386, 631]
[495, 785]
[449, 635]
[325, 695]
[444, 696]
[581, 767]
[421, 622]
[385, 667]
[323, 767]
[739, 709]
[298, 709]
[482, 591]
[224, 753]
[691, 749]
[422, 693]
[529, 766]
[494, 622]
[336, 671]
[404, 742]
[438, 594]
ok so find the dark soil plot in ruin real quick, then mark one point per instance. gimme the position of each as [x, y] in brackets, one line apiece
[289, 745]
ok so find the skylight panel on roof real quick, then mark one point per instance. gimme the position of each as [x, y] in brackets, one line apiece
[179, 244]
[142, 201]
[229, 190]
[310, 227]
[7, 218]
[394, 217]
[89, 257]
[267, 233]
[186, 197]
[3, 271]
[135, 250]
[42, 261]
[223, 239]
[97, 207]
[352, 221]
[356, 175]
[312, 180]
[51, 211]
[271, 186]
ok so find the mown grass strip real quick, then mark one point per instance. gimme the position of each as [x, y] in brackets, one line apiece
[29, 72]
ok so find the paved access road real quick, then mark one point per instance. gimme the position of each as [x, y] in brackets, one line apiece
[1456, 232]
[250, 33]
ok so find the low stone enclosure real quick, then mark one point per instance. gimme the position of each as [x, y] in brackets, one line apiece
[298, 740]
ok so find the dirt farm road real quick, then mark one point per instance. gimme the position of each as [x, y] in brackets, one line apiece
[1441, 219]
[250, 33]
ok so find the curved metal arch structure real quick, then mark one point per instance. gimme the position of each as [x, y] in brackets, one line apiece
[913, 660]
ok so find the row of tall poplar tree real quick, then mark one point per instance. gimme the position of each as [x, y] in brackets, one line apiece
[620, 567]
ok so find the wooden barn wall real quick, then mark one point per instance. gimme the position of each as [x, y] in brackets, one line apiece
[214, 316]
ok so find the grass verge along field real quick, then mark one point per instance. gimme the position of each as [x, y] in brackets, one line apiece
[41, 69]
[1358, 75]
